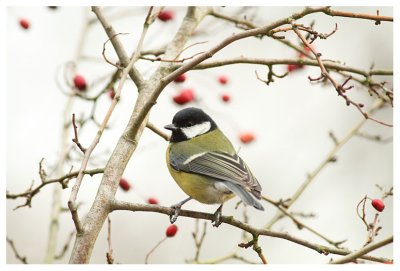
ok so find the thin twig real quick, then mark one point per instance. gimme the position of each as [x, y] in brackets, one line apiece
[14, 249]
[254, 243]
[300, 225]
[362, 216]
[146, 260]
[359, 253]
[109, 254]
[336, 13]
[63, 180]
[340, 89]
[199, 241]
[65, 247]
[75, 139]
[104, 51]
[157, 131]
[295, 61]
[171, 60]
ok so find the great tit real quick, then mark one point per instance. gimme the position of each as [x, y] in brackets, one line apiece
[204, 164]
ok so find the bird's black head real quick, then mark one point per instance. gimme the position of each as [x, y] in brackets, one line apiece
[190, 122]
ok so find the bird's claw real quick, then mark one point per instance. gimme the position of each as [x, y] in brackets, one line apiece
[217, 219]
[174, 217]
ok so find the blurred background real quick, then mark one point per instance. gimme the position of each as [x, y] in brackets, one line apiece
[290, 121]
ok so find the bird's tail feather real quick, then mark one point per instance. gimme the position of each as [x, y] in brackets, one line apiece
[245, 196]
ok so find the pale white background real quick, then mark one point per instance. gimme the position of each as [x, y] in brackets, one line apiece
[291, 119]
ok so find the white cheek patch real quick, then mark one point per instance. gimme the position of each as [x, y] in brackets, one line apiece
[197, 129]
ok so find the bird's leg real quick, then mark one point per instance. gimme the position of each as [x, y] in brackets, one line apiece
[217, 216]
[177, 208]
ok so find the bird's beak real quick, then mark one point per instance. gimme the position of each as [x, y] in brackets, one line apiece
[171, 127]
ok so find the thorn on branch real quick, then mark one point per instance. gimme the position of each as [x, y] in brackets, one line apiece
[377, 22]
[334, 138]
[42, 172]
[76, 140]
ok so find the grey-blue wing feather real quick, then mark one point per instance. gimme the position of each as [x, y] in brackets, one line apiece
[221, 166]
[244, 195]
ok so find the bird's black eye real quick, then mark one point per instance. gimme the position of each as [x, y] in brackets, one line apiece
[190, 123]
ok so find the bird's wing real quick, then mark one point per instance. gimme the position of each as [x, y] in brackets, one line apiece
[218, 165]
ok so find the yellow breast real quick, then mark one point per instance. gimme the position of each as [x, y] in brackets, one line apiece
[197, 186]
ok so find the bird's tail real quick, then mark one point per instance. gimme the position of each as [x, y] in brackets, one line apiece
[245, 196]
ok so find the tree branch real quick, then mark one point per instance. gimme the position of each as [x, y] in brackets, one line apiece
[336, 13]
[134, 74]
[268, 62]
[128, 141]
[326, 161]
[136, 207]
[96, 140]
[301, 225]
[63, 180]
[157, 131]
[359, 253]
[340, 89]
[14, 249]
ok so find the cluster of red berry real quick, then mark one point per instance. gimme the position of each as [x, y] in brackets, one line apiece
[187, 95]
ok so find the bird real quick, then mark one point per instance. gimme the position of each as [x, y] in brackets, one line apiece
[205, 165]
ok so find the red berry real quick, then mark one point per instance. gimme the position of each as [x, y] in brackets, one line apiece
[185, 96]
[124, 184]
[293, 67]
[181, 78]
[24, 23]
[166, 15]
[307, 50]
[171, 230]
[247, 138]
[378, 205]
[111, 93]
[226, 98]
[152, 201]
[223, 79]
[80, 82]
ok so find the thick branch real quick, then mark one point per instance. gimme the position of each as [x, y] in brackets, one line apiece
[96, 140]
[135, 207]
[128, 141]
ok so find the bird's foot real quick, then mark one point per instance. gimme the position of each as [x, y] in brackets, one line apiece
[177, 207]
[217, 217]
[174, 217]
